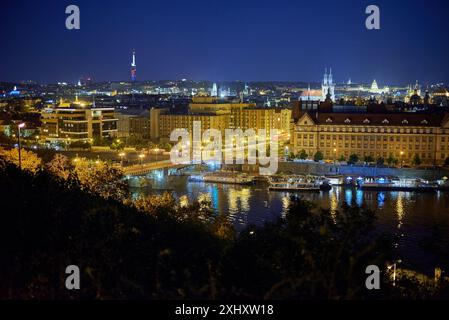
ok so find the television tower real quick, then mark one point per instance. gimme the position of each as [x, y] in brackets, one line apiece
[134, 67]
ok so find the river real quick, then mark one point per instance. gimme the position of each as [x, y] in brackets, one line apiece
[410, 216]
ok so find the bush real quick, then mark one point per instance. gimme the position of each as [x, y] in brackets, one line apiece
[117, 145]
[416, 161]
[155, 249]
[392, 160]
[101, 142]
[380, 161]
[368, 159]
[318, 156]
[302, 155]
[80, 145]
[353, 159]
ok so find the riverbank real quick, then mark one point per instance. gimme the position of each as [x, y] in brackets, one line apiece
[331, 169]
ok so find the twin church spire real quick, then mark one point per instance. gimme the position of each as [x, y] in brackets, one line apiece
[328, 85]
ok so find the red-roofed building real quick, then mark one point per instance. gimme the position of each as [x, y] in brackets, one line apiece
[379, 135]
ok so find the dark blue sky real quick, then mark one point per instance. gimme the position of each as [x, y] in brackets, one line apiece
[226, 40]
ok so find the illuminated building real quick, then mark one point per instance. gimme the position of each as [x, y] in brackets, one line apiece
[139, 126]
[214, 91]
[216, 105]
[77, 121]
[379, 135]
[123, 128]
[440, 97]
[374, 87]
[170, 122]
[441, 92]
[311, 95]
[413, 95]
[415, 99]
[268, 119]
[133, 125]
[14, 92]
[215, 113]
[155, 122]
[225, 92]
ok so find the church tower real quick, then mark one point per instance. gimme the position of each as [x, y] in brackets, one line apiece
[214, 91]
[328, 86]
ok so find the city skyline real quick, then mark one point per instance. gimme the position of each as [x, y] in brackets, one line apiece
[314, 84]
[214, 41]
[260, 153]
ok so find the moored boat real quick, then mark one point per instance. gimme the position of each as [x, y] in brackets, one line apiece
[443, 184]
[223, 177]
[298, 183]
[396, 184]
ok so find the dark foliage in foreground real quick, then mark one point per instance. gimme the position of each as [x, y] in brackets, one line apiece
[48, 224]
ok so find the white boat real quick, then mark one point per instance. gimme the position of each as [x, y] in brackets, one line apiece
[298, 183]
[443, 184]
[337, 180]
[223, 177]
[395, 184]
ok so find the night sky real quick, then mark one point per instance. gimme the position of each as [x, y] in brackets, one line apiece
[226, 40]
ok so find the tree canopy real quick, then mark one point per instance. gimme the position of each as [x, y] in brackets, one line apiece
[157, 248]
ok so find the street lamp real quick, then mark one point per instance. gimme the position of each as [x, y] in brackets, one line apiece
[141, 156]
[20, 126]
[394, 270]
[122, 155]
[335, 155]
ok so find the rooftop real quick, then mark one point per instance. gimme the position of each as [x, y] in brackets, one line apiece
[435, 119]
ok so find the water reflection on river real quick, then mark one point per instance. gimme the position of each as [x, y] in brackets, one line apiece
[410, 216]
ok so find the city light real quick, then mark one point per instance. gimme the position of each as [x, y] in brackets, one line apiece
[286, 151]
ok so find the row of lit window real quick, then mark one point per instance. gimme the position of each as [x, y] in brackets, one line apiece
[376, 130]
[373, 146]
[422, 155]
[369, 138]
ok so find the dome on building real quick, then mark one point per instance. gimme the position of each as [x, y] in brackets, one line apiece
[415, 99]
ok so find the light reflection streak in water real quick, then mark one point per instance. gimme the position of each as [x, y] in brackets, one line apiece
[402, 213]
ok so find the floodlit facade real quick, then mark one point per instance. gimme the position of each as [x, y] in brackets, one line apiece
[401, 135]
[215, 113]
[77, 121]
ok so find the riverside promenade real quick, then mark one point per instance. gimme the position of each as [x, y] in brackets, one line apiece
[290, 167]
[350, 170]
